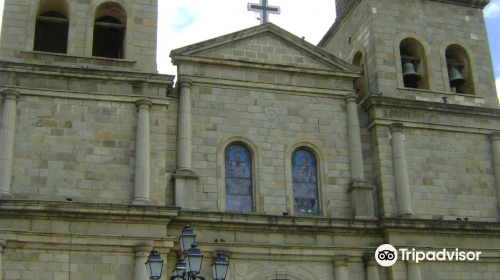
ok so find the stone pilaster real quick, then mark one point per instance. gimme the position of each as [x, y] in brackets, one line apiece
[341, 267]
[141, 256]
[403, 193]
[371, 268]
[354, 136]
[2, 247]
[7, 137]
[185, 177]
[495, 149]
[361, 193]
[142, 155]
[413, 271]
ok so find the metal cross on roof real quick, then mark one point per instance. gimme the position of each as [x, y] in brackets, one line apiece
[264, 10]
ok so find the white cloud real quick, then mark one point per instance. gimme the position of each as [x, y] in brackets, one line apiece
[492, 10]
[498, 87]
[213, 19]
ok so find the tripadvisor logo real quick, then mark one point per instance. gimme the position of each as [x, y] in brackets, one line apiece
[387, 255]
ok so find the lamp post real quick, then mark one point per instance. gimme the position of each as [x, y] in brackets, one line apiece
[189, 269]
[154, 265]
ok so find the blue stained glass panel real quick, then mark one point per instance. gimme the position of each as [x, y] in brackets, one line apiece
[238, 179]
[305, 182]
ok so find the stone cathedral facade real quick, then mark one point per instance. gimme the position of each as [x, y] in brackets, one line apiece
[297, 161]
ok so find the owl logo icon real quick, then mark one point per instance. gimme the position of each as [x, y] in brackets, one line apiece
[386, 255]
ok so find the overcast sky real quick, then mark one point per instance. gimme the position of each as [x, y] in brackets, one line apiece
[184, 22]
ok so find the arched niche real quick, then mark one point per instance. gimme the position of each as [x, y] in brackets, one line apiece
[52, 26]
[412, 51]
[360, 85]
[458, 60]
[415, 46]
[109, 31]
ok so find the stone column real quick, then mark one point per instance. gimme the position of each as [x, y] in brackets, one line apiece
[495, 149]
[7, 136]
[185, 177]
[413, 271]
[371, 268]
[141, 256]
[341, 267]
[142, 153]
[361, 193]
[2, 247]
[401, 171]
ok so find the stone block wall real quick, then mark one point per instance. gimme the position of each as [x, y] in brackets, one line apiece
[220, 112]
[84, 149]
[451, 174]
[460, 270]
[140, 47]
[37, 263]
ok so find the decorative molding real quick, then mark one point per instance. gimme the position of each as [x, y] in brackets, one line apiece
[480, 4]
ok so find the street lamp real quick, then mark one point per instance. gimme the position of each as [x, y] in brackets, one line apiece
[187, 238]
[154, 265]
[190, 269]
[219, 267]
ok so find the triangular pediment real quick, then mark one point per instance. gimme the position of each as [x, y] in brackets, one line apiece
[266, 45]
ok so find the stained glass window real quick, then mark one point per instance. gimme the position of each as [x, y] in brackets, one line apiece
[305, 183]
[238, 179]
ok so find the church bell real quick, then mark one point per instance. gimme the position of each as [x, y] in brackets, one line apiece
[456, 78]
[410, 76]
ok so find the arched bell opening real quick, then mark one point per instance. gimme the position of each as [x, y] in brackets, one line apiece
[360, 83]
[414, 64]
[52, 26]
[109, 31]
[459, 70]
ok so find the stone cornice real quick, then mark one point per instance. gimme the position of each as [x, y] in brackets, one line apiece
[260, 66]
[374, 101]
[439, 226]
[15, 209]
[467, 3]
[112, 97]
[283, 223]
[91, 72]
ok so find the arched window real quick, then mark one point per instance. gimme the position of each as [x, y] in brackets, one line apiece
[109, 31]
[459, 70]
[52, 26]
[239, 191]
[414, 65]
[360, 85]
[305, 182]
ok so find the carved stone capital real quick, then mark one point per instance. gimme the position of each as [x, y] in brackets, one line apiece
[11, 94]
[340, 260]
[185, 82]
[369, 259]
[143, 103]
[495, 136]
[142, 251]
[3, 242]
[397, 127]
[351, 97]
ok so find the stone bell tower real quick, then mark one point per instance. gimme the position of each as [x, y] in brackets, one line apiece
[434, 36]
[428, 103]
[106, 33]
